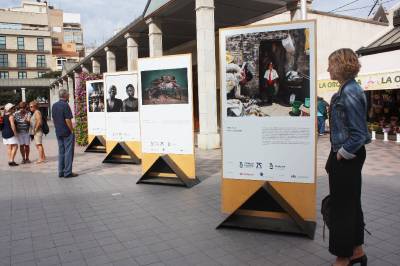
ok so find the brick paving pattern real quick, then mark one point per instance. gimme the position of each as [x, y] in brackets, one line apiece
[103, 218]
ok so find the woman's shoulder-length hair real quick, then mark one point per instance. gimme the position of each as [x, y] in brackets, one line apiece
[344, 63]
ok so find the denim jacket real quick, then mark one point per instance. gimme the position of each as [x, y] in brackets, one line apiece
[348, 113]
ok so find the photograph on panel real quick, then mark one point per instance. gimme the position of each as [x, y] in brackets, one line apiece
[96, 96]
[268, 73]
[122, 98]
[165, 86]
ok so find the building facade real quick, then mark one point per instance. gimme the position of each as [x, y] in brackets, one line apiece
[67, 37]
[35, 38]
[25, 41]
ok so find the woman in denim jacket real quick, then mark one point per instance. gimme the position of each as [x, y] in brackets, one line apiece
[349, 134]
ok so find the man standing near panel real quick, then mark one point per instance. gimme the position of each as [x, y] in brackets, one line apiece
[62, 116]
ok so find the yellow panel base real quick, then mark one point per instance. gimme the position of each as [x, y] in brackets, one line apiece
[186, 162]
[302, 197]
[272, 206]
[135, 146]
[96, 144]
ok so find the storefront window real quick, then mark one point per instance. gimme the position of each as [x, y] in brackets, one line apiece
[384, 111]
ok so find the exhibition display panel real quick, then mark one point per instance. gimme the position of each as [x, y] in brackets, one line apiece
[268, 112]
[96, 116]
[122, 118]
[166, 120]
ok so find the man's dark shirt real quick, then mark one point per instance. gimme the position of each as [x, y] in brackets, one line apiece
[117, 106]
[61, 111]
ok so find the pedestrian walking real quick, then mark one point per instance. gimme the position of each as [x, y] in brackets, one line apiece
[62, 118]
[322, 114]
[36, 130]
[22, 117]
[9, 133]
[349, 134]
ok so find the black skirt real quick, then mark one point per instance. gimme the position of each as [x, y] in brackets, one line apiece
[347, 220]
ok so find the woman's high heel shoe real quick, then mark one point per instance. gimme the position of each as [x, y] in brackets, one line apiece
[363, 260]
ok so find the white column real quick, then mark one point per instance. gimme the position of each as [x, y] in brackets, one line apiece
[299, 12]
[385, 136]
[23, 94]
[61, 84]
[295, 12]
[111, 63]
[132, 51]
[56, 91]
[51, 98]
[208, 137]
[303, 7]
[77, 83]
[71, 92]
[95, 66]
[155, 37]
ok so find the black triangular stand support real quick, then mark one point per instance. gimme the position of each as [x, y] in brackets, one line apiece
[267, 199]
[122, 154]
[97, 145]
[164, 171]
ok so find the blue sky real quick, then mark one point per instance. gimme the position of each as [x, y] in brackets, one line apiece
[100, 18]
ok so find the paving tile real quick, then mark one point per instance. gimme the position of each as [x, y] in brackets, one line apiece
[98, 260]
[22, 257]
[119, 255]
[107, 241]
[147, 259]
[113, 247]
[25, 263]
[75, 263]
[125, 262]
[69, 253]
[169, 254]
[48, 261]
[92, 252]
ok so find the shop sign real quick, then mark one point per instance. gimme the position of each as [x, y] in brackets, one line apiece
[375, 81]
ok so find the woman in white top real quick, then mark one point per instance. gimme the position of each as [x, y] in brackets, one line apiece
[9, 133]
[36, 130]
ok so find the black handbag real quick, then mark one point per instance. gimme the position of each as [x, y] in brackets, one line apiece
[325, 211]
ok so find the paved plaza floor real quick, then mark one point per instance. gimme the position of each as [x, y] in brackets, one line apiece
[103, 218]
